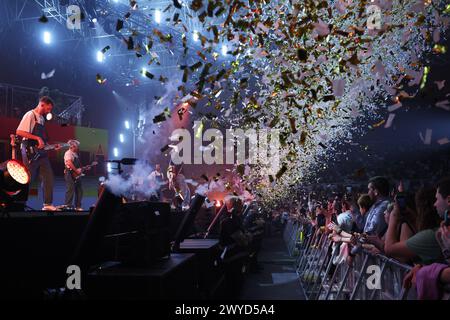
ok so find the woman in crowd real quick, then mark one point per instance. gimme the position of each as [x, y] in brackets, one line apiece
[427, 217]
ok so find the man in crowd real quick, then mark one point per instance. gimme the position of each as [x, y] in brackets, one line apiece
[378, 191]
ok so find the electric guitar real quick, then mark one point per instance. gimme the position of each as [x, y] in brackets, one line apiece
[77, 176]
[33, 153]
[14, 143]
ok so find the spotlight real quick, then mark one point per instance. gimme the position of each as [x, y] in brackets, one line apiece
[116, 152]
[49, 116]
[127, 124]
[108, 167]
[195, 36]
[218, 204]
[47, 37]
[158, 16]
[224, 50]
[14, 180]
[94, 20]
[121, 138]
[143, 72]
[100, 56]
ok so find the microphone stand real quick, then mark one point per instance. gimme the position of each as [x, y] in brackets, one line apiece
[214, 221]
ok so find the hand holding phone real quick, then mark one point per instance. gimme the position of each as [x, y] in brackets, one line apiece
[446, 218]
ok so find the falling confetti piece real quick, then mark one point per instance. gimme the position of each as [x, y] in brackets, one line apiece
[389, 120]
[49, 75]
[443, 141]
[281, 172]
[165, 148]
[428, 134]
[100, 79]
[440, 84]
[394, 107]
[119, 25]
[43, 19]
[105, 49]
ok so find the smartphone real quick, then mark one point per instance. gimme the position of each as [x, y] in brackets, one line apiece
[400, 198]
[446, 218]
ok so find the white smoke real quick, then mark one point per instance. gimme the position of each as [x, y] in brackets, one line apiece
[136, 182]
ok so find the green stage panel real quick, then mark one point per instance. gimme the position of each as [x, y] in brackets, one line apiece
[93, 140]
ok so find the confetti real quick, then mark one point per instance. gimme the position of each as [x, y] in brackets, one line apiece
[43, 19]
[177, 4]
[443, 141]
[389, 120]
[394, 107]
[49, 75]
[165, 148]
[440, 84]
[100, 79]
[105, 49]
[428, 134]
[119, 25]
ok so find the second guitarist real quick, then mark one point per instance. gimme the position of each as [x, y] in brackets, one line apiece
[72, 165]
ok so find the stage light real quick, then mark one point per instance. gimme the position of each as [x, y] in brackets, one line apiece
[116, 152]
[47, 37]
[14, 179]
[195, 36]
[108, 167]
[218, 204]
[49, 116]
[94, 20]
[121, 138]
[127, 124]
[143, 71]
[224, 50]
[100, 56]
[158, 16]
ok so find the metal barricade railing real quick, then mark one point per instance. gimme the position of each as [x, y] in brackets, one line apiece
[294, 237]
[370, 277]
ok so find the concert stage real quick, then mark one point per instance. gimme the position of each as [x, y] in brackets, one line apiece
[37, 247]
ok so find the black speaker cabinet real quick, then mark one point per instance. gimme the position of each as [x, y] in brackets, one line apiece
[143, 233]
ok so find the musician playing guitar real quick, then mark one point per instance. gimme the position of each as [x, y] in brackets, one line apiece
[32, 130]
[72, 169]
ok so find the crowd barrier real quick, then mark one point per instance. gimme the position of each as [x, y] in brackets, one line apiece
[323, 277]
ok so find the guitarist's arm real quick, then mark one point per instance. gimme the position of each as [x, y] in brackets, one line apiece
[31, 136]
[69, 164]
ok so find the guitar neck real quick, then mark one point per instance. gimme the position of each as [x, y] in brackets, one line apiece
[53, 146]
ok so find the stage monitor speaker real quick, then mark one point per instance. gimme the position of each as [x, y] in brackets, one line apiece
[143, 232]
[186, 225]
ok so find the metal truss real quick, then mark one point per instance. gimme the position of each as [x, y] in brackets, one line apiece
[17, 99]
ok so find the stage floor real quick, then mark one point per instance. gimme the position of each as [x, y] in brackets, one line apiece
[90, 191]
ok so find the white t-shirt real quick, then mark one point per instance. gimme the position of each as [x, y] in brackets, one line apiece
[70, 155]
[29, 121]
[152, 177]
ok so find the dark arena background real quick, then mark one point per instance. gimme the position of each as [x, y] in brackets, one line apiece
[224, 150]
